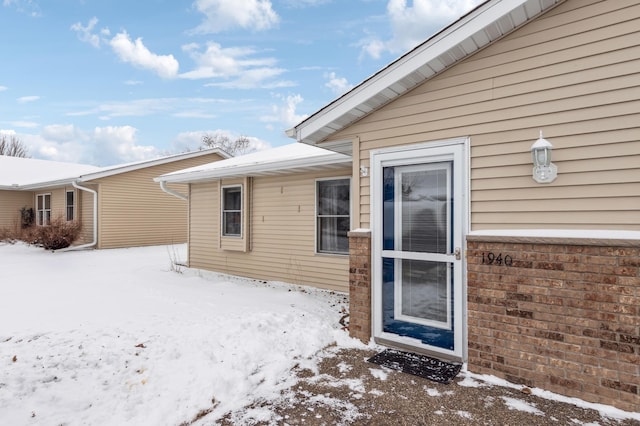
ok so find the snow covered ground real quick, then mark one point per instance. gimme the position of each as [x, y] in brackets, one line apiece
[116, 337]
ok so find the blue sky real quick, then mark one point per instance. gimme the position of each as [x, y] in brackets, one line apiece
[105, 82]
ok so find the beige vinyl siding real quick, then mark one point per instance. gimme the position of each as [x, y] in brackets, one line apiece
[134, 211]
[573, 73]
[10, 204]
[58, 203]
[281, 229]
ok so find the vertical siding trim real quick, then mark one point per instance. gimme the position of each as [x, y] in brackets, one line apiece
[246, 218]
[189, 225]
[218, 208]
[355, 185]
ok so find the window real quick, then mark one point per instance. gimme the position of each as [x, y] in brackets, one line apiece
[71, 202]
[333, 215]
[232, 211]
[43, 209]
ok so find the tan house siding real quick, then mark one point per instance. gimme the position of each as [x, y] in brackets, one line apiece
[10, 204]
[58, 202]
[281, 231]
[573, 73]
[134, 211]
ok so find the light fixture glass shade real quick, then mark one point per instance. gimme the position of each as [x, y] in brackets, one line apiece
[544, 171]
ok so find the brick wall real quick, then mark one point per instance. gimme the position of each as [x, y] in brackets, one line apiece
[558, 315]
[360, 285]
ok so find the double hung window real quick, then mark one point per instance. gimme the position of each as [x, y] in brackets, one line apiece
[333, 215]
[43, 209]
[232, 211]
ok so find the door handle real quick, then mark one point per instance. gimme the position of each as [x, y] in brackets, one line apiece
[457, 253]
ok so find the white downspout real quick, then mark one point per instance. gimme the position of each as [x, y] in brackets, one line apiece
[95, 219]
[163, 186]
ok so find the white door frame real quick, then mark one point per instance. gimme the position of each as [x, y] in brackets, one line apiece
[445, 150]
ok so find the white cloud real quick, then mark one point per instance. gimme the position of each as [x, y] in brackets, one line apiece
[238, 66]
[338, 85]
[133, 82]
[29, 7]
[194, 114]
[216, 61]
[149, 106]
[221, 15]
[3, 88]
[374, 47]
[101, 146]
[137, 54]
[117, 144]
[62, 132]
[85, 33]
[133, 52]
[413, 23]
[304, 3]
[26, 99]
[26, 124]
[285, 113]
[256, 78]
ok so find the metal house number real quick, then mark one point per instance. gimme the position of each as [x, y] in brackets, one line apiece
[490, 258]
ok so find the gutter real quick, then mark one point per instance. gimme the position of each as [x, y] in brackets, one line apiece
[163, 186]
[95, 219]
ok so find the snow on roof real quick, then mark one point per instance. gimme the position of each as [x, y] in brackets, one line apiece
[16, 172]
[127, 167]
[29, 173]
[286, 158]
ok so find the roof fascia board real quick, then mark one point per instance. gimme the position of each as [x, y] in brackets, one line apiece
[150, 163]
[247, 170]
[452, 36]
[46, 184]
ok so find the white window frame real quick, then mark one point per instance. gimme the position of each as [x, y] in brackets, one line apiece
[316, 215]
[223, 211]
[43, 221]
[73, 206]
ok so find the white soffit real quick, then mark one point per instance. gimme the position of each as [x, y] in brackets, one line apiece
[488, 22]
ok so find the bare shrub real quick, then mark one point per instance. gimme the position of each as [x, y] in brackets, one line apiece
[11, 234]
[8, 235]
[174, 257]
[27, 216]
[57, 235]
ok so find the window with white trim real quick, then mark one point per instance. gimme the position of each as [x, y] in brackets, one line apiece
[43, 209]
[333, 215]
[232, 211]
[70, 204]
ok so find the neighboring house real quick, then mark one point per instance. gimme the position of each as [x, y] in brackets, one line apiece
[117, 206]
[281, 214]
[466, 255]
[17, 175]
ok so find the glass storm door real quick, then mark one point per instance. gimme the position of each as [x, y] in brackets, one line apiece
[418, 298]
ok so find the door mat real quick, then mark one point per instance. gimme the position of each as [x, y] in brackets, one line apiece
[417, 364]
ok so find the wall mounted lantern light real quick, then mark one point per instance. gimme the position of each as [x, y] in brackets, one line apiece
[544, 171]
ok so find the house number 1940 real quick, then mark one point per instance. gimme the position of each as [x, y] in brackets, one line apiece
[491, 258]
